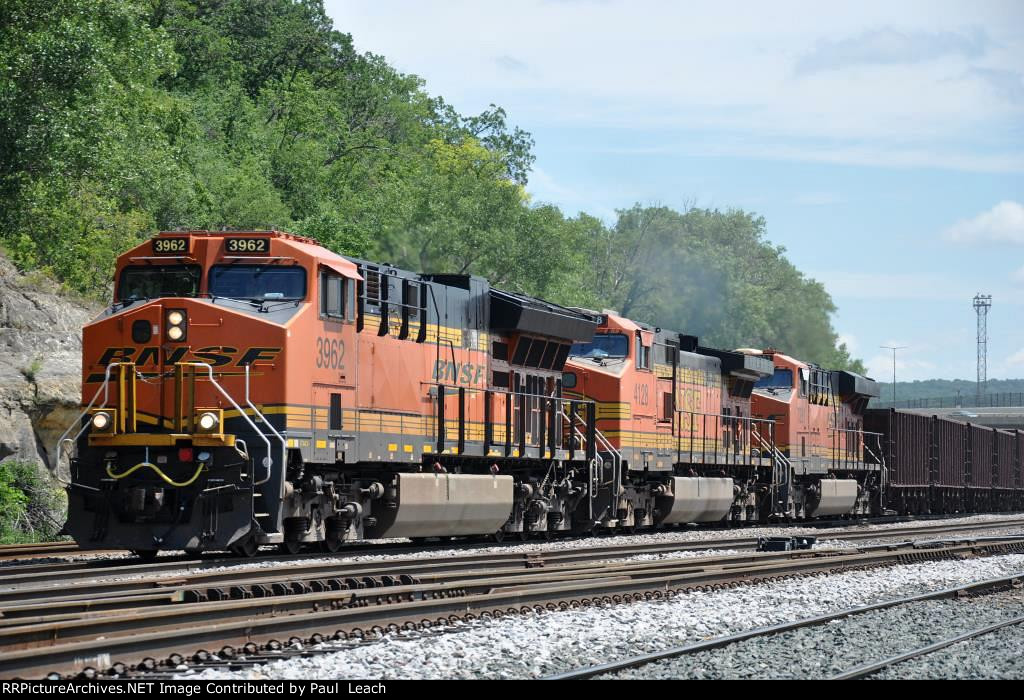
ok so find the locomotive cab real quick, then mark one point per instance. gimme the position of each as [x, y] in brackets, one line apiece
[185, 383]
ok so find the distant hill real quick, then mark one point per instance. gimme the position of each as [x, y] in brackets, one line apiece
[944, 392]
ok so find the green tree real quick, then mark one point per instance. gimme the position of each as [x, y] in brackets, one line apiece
[712, 274]
[84, 148]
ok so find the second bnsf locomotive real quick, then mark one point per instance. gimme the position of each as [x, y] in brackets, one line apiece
[254, 388]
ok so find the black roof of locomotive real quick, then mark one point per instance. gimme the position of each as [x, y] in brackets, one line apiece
[511, 311]
[740, 364]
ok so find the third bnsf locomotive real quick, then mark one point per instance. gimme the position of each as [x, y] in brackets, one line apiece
[253, 388]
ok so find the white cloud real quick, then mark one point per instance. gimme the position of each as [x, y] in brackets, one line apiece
[1003, 223]
[1016, 358]
[890, 46]
[836, 152]
[1008, 84]
[544, 189]
[910, 84]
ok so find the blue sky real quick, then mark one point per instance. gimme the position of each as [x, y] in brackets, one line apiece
[883, 142]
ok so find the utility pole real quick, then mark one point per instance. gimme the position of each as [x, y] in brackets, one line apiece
[982, 303]
[894, 348]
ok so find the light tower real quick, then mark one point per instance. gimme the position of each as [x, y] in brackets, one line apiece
[982, 303]
[894, 348]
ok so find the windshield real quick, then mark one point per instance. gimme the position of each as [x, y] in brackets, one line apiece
[155, 281]
[603, 345]
[257, 282]
[782, 379]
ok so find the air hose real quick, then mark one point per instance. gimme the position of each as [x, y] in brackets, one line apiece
[169, 480]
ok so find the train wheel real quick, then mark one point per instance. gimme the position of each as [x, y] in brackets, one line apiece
[245, 548]
[523, 536]
[290, 547]
[498, 536]
[331, 544]
[146, 555]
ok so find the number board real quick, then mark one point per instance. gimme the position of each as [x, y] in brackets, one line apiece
[171, 246]
[247, 246]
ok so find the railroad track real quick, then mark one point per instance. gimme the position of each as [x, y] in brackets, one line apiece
[41, 573]
[13, 554]
[104, 588]
[149, 640]
[99, 587]
[860, 671]
[37, 549]
[33, 604]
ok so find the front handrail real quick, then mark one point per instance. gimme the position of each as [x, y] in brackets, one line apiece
[268, 461]
[105, 388]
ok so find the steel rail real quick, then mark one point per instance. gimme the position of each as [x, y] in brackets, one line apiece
[75, 647]
[70, 571]
[473, 583]
[873, 667]
[31, 548]
[369, 574]
[820, 529]
[283, 581]
[976, 588]
[39, 582]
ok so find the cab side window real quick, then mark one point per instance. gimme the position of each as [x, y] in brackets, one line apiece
[332, 296]
[643, 354]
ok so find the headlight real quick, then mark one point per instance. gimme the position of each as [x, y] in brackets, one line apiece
[101, 421]
[177, 324]
[208, 421]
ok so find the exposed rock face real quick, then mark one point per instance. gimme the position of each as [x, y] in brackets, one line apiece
[40, 364]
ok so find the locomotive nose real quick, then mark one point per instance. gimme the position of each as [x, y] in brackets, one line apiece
[166, 332]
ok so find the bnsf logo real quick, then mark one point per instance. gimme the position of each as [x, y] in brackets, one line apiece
[216, 355]
[458, 373]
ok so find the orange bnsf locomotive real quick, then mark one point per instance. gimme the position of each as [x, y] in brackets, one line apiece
[715, 430]
[255, 388]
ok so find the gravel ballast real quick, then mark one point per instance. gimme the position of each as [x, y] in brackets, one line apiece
[538, 645]
[825, 650]
[999, 655]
